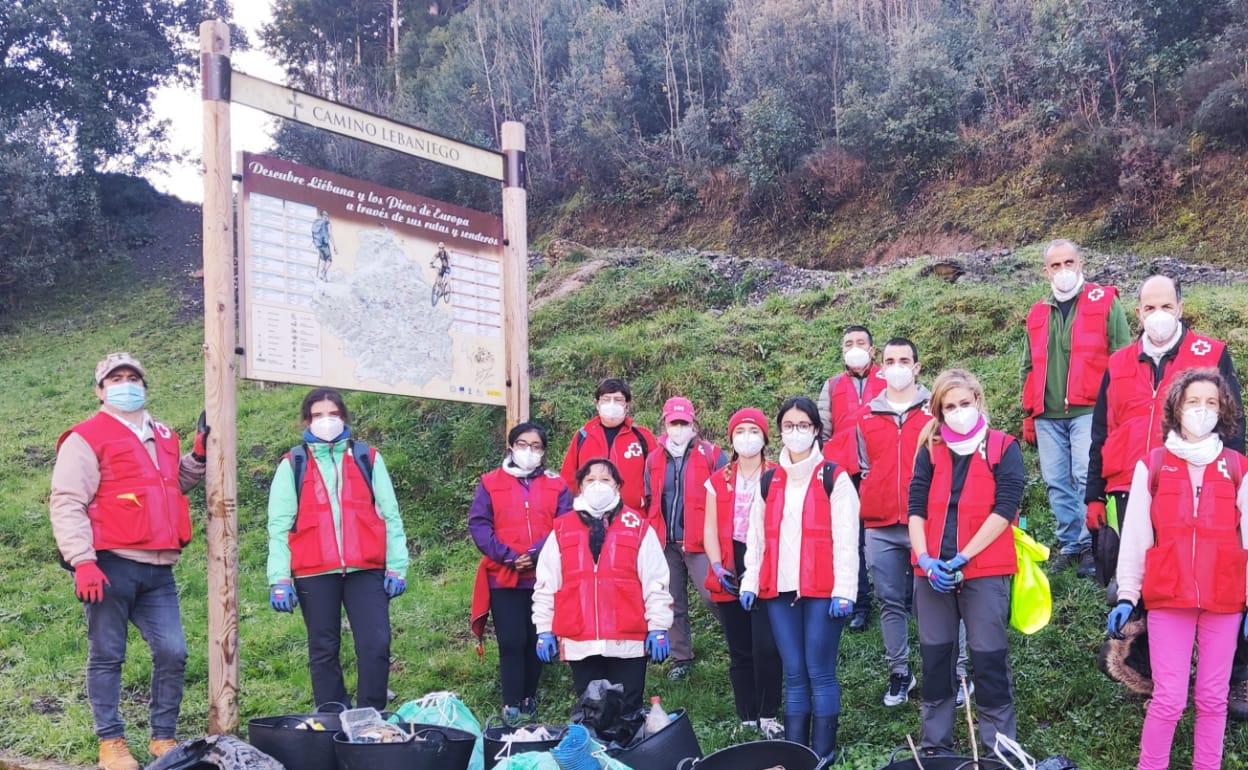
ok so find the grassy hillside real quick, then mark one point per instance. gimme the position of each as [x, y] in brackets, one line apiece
[670, 326]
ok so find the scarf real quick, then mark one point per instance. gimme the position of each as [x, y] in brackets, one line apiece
[1156, 352]
[1199, 453]
[1066, 296]
[515, 471]
[597, 528]
[964, 444]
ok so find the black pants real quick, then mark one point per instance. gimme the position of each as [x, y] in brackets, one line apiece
[628, 672]
[322, 598]
[518, 665]
[753, 660]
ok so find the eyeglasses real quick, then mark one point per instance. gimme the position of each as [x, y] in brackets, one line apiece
[800, 427]
[536, 447]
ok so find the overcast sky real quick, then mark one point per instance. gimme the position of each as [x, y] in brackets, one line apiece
[250, 129]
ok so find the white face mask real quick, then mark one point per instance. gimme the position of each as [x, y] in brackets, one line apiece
[748, 444]
[963, 419]
[899, 377]
[526, 459]
[1160, 326]
[679, 435]
[856, 358]
[611, 411]
[326, 428]
[1199, 421]
[797, 443]
[1064, 281]
[599, 497]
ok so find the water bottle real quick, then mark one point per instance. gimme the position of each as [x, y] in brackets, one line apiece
[657, 718]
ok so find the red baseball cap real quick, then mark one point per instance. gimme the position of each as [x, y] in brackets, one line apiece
[748, 416]
[678, 408]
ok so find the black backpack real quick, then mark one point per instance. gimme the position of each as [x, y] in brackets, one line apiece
[361, 452]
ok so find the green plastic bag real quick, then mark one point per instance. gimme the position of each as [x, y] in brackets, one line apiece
[1031, 601]
[446, 710]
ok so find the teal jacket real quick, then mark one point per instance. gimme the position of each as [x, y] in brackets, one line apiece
[284, 505]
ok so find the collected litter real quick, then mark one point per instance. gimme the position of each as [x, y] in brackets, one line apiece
[366, 725]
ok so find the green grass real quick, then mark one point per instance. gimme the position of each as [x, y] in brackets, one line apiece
[649, 323]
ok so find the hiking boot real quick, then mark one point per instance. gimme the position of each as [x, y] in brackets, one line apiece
[797, 728]
[115, 755]
[511, 716]
[1062, 562]
[1087, 564]
[771, 728]
[899, 687]
[680, 670]
[858, 621]
[158, 747]
[528, 709]
[1237, 701]
[823, 737]
[959, 699]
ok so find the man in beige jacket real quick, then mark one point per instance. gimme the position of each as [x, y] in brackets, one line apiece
[121, 518]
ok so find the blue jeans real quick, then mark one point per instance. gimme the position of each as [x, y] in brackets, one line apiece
[145, 595]
[808, 641]
[1064, 445]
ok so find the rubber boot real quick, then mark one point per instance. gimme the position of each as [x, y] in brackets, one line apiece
[823, 737]
[797, 728]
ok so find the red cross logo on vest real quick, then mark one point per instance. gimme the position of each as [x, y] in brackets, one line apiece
[162, 430]
[630, 520]
[1223, 469]
[1201, 347]
[1096, 294]
[634, 450]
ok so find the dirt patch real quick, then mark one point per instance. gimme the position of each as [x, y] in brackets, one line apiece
[171, 253]
[938, 243]
[554, 288]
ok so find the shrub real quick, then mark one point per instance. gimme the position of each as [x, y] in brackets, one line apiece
[1223, 115]
[1083, 163]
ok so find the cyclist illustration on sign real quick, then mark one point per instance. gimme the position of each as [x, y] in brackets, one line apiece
[323, 239]
[442, 286]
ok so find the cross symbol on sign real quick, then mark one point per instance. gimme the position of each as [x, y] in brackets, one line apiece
[295, 104]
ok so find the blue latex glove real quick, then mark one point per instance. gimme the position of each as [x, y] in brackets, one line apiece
[394, 584]
[727, 580]
[840, 608]
[747, 600]
[1118, 618]
[547, 648]
[282, 597]
[657, 646]
[957, 562]
[938, 576]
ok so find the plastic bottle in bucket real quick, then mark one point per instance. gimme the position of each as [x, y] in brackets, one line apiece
[657, 719]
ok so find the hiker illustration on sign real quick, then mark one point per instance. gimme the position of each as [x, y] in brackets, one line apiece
[323, 240]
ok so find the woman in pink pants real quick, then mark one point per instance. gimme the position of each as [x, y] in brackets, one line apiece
[1183, 552]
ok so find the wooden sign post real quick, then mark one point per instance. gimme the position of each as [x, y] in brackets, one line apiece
[221, 482]
[221, 86]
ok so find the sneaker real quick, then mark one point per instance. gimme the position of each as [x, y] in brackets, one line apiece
[1237, 701]
[115, 755]
[858, 621]
[528, 709]
[1062, 562]
[158, 747]
[899, 687]
[511, 715]
[680, 670]
[1087, 564]
[771, 728]
[959, 699]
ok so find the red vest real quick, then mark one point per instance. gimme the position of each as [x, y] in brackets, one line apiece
[974, 507]
[523, 516]
[138, 505]
[606, 600]
[314, 541]
[816, 577]
[1197, 559]
[1089, 348]
[1135, 408]
[846, 407]
[628, 452]
[724, 482]
[699, 465]
[890, 450]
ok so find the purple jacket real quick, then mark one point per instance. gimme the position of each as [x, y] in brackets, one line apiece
[481, 527]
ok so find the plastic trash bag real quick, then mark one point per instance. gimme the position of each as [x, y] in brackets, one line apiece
[444, 709]
[1031, 602]
[224, 752]
[600, 708]
[535, 760]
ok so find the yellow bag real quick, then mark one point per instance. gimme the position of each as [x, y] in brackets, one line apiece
[1031, 602]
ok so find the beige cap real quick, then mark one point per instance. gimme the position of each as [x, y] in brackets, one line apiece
[116, 361]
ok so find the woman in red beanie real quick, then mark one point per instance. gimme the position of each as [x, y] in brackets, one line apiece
[754, 663]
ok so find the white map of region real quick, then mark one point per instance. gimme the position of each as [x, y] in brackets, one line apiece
[382, 314]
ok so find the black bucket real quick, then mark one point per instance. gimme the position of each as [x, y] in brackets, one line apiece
[443, 748]
[759, 755]
[902, 759]
[665, 749]
[304, 749]
[496, 748]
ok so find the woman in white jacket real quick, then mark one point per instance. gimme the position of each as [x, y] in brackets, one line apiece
[801, 560]
[601, 600]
